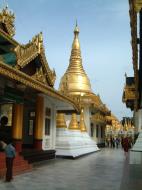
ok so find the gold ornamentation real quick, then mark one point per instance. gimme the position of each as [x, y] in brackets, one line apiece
[7, 18]
[60, 120]
[129, 93]
[98, 118]
[17, 75]
[8, 38]
[82, 125]
[137, 5]
[73, 123]
[75, 83]
[40, 76]
[26, 53]
[75, 80]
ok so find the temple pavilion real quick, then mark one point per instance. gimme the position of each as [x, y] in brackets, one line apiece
[27, 97]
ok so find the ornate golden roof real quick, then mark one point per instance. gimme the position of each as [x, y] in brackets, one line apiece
[75, 80]
[98, 118]
[35, 48]
[7, 19]
[25, 54]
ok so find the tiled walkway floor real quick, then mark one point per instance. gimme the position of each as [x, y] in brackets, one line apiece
[104, 170]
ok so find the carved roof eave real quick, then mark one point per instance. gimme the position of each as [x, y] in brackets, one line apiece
[97, 103]
[8, 38]
[50, 74]
[98, 118]
[17, 75]
[129, 93]
[114, 120]
[26, 53]
[133, 24]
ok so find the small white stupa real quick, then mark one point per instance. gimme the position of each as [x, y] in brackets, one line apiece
[73, 141]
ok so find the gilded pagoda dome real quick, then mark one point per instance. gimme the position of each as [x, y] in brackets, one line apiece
[75, 80]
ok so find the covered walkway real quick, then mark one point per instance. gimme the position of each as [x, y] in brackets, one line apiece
[104, 170]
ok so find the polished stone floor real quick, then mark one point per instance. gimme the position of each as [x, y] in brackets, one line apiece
[105, 170]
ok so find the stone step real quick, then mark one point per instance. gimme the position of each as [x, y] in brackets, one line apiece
[19, 166]
[35, 155]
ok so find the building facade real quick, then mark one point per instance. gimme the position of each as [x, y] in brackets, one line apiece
[27, 96]
[132, 94]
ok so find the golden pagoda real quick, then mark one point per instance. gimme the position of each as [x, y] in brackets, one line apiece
[76, 84]
[75, 80]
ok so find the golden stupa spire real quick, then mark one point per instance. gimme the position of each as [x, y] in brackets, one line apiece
[75, 80]
[75, 58]
[60, 120]
[82, 122]
[73, 123]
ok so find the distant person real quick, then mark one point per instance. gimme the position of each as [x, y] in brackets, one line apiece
[113, 142]
[117, 141]
[122, 138]
[107, 142]
[10, 155]
[126, 146]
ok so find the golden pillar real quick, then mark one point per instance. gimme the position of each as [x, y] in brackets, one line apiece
[17, 126]
[38, 132]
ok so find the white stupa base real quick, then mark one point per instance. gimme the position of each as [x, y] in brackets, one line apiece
[73, 143]
[136, 151]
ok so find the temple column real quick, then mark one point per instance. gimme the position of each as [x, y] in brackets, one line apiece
[17, 126]
[38, 132]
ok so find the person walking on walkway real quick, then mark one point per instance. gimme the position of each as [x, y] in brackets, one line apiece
[10, 155]
[126, 146]
[107, 142]
[117, 142]
[113, 142]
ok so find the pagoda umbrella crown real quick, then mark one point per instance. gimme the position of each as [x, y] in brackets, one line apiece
[75, 81]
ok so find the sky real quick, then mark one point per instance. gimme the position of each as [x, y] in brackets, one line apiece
[104, 37]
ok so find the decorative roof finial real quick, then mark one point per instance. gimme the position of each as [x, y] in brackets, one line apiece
[7, 19]
[5, 4]
[76, 22]
[76, 30]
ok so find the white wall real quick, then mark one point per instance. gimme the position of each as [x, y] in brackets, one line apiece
[138, 120]
[49, 140]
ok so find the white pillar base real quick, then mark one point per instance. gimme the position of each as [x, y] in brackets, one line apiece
[136, 151]
[73, 143]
